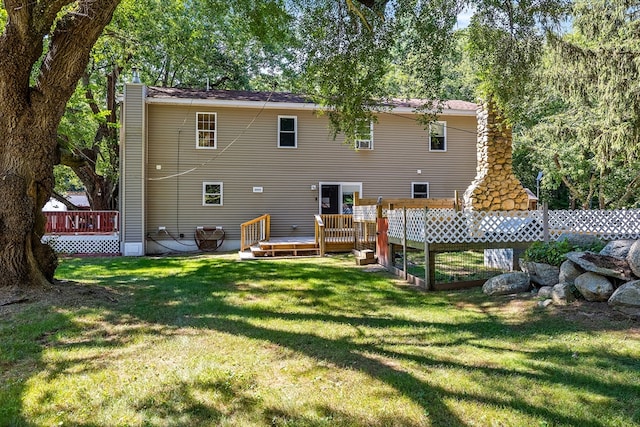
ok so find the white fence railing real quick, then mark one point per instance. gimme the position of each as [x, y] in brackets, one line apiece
[450, 226]
[367, 213]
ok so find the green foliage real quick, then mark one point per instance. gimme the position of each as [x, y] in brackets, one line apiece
[588, 139]
[3, 17]
[66, 180]
[185, 43]
[352, 56]
[505, 43]
[553, 253]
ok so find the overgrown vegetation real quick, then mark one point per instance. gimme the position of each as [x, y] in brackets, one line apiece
[211, 341]
[553, 253]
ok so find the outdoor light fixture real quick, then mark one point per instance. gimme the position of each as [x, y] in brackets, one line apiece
[314, 187]
[135, 75]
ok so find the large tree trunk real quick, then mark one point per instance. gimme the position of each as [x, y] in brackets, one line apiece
[25, 185]
[30, 118]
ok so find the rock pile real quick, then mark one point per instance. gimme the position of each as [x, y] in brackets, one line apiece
[613, 275]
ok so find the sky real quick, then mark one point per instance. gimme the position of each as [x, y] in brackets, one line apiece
[464, 17]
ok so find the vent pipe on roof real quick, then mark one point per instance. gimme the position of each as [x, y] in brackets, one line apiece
[207, 84]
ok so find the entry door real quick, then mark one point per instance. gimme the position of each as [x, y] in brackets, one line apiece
[330, 195]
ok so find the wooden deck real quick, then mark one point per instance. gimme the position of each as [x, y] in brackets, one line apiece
[283, 247]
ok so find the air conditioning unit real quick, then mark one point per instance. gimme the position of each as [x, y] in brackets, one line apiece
[363, 144]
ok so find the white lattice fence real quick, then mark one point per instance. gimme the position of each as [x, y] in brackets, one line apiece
[368, 213]
[84, 244]
[450, 226]
[608, 225]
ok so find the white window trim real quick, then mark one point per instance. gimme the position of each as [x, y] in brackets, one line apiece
[204, 194]
[413, 184]
[446, 142]
[370, 140]
[215, 131]
[340, 193]
[295, 131]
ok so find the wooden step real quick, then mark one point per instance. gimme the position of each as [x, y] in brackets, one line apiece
[285, 249]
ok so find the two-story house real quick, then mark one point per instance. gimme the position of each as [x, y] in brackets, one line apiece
[195, 158]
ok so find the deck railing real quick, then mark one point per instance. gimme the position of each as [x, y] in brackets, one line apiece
[81, 222]
[320, 234]
[335, 232]
[338, 227]
[254, 231]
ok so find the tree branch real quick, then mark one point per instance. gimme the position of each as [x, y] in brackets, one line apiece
[69, 48]
[572, 189]
[59, 197]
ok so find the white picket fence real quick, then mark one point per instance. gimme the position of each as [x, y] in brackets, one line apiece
[450, 226]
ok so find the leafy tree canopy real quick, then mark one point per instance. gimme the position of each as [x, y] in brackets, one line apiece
[588, 138]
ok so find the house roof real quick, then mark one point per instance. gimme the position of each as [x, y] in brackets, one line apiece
[243, 98]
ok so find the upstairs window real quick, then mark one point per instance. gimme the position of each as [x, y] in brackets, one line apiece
[364, 135]
[419, 190]
[206, 130]
[438, 136]
[287, 132]
[211, 194]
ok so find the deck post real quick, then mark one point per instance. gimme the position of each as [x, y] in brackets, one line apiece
[427, 258]
[405, 264]
[545, 222]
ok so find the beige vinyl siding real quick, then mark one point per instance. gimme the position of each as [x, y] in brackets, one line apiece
[253, 159]
[132, 159]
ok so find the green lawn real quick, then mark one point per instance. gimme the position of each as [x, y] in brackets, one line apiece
[208, 340]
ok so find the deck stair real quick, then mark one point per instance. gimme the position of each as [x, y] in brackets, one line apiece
[285, 247]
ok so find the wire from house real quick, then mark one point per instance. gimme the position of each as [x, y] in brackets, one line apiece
[193, 169]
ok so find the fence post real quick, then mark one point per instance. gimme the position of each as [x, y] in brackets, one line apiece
[545, 222]
[404, 243]
[427, 273]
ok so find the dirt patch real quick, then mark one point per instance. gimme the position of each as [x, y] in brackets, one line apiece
[608, 262]
[60, 293]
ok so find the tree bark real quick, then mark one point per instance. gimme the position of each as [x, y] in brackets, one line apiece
[30, 118]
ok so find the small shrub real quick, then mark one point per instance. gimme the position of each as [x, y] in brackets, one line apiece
[554, 253]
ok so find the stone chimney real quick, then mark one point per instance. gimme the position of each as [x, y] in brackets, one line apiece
[495, 187]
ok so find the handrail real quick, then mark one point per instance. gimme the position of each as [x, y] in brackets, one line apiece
[320, 236]
[81, 222]
[254, 231]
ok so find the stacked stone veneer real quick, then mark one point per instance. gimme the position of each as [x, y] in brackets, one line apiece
[495, 187]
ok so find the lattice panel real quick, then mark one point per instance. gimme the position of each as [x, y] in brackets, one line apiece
[96, 245]
[450, 226]
[608, 225]
[367, 213]
[396, 224]
[415, 224]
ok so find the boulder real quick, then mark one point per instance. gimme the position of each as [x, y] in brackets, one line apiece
[633, 258]
[602, 264]
[508, 283]
[545, 292]
[594, 287]
[569, 270]
[546, 303]
[540, 273]
[561, 294]
[617, 248]
[626, 299]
